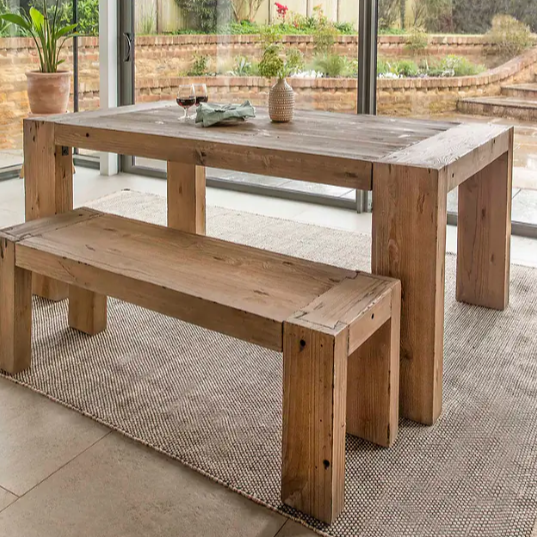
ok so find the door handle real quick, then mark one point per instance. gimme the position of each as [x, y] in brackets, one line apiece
[127, 51]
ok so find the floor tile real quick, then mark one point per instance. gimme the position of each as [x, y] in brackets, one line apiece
[120, 488]
[6, 498]
[293, 529]
[38, 436]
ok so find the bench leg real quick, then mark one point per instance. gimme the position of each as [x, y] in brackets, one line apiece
[15, 312]
[484, 236]
[314, 399]
[87, 311]
[186, 197]
[373, 382]
[48, 181]
[409, 243]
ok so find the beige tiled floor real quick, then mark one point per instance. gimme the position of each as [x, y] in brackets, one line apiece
[63, 475]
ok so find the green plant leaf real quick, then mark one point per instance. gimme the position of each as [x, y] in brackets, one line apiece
[16, 19]
[37, 18]
[65, 30]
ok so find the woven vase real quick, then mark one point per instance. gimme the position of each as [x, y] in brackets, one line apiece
[281, 102]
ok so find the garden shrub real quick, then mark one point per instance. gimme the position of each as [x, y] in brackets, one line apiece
[406, 68]
[277, 62]
[459, 66]
[88, 16]
[244, 67]
[509, 36]
[417, 40]
[324, 39]
[199, 67]
[271, 63]
[345, 28]
[383, 67]
[243, 28]
[448, 66]
[332, 65]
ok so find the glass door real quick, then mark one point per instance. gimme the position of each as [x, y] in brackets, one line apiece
[465, 61]
[230, 46]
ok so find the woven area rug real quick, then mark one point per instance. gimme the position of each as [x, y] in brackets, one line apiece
[214, 403]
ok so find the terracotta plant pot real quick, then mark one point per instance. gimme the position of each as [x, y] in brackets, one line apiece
[48, 93]
[281, 102]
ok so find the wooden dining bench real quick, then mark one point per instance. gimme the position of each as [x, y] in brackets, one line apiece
[338, 329]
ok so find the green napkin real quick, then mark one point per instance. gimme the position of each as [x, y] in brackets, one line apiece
[209, 114]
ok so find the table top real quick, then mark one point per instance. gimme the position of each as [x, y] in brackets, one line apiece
[326, 147]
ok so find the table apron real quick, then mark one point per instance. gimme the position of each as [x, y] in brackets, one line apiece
[289, 164]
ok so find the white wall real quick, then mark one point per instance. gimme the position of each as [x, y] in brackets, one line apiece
[108, 53]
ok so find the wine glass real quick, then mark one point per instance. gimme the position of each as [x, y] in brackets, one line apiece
[186, 97]
[202, 95]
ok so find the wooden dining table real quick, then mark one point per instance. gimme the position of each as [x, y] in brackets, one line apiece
[410, 166]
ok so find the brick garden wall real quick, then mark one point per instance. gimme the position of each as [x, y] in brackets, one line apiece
[160, 60]
[400, 97]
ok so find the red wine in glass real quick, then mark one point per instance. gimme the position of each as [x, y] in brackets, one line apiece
[186, 102]
[186, 97]
[202, 96]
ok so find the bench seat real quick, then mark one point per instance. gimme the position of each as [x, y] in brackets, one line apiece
[338, 329]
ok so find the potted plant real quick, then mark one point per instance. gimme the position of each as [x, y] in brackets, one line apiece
[48, 88]
[277, 64]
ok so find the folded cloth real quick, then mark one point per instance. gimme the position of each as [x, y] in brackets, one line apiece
[209, 114]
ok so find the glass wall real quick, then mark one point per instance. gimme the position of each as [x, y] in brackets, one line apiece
[231, 46]
[460, 60]
[18, 55]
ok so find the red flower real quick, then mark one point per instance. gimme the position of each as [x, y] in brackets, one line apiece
[281, 9]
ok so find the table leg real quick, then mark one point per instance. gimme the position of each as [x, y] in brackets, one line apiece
[186, 197]
[314, 401]
[87, 311]
[48, 182]
[409, 243]
[373, 382]
[484, 235]
[15, 311]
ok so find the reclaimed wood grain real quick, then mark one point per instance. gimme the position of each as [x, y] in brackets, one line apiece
[484, 235]
[87, 311]
[15, 311]
[186, 198]
[230, 288]
[464, 150]
[409, 243]
[362, 309]
[314, 401]
[373, 378]
[48, 187]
